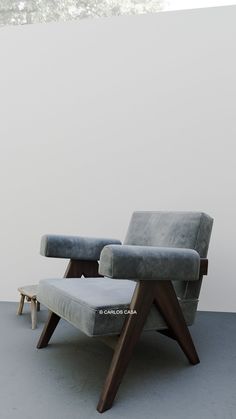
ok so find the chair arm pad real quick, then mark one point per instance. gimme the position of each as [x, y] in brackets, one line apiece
[149, 262]
[74, 247]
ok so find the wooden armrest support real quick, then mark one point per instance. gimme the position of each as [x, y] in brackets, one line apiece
[203, 267]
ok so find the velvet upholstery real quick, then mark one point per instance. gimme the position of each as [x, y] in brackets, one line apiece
[73, 247]
[190, 230]
[187, 229]
[158, 245]
[80, 301]
[149, 262]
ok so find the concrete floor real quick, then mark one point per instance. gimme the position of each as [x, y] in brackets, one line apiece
[64, 380]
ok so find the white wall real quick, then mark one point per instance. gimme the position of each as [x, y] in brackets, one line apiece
[102, 117]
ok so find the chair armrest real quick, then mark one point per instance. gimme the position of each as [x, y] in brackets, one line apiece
[74, 247]
[149, 262]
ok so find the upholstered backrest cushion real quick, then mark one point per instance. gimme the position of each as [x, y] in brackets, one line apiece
[191, 230]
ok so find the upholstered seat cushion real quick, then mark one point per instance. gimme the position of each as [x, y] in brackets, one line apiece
[85, 303]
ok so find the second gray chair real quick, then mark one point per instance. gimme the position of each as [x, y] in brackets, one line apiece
[151, 282]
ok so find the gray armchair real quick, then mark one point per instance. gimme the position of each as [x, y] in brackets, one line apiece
[151, 282]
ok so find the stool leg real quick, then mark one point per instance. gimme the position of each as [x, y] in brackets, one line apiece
[21, 305]
[38, 306]
[33, 313]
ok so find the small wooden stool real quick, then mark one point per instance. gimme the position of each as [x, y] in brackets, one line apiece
[30, 292]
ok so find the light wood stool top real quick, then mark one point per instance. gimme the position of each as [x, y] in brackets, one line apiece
[30, 292]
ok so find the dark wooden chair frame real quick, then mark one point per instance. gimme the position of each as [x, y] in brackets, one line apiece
[160, 293]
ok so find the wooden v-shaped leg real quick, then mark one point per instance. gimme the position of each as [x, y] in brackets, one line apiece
[162, 293]
[75, 269]
[50, 326]
[167, 303]
[141, 303]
